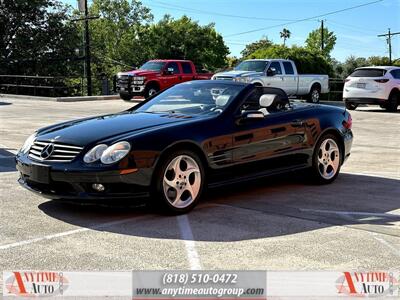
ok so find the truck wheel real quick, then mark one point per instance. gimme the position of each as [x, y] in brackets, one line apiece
[313, 96]
[125, 97]
[150, 90]
[393, 102]
[351, 106]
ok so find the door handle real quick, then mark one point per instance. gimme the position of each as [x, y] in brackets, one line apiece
[297, 123]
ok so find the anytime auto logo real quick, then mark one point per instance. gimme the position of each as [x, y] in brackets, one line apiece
[368, 284]
[35, 284]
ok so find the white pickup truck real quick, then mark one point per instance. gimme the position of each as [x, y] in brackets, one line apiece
[278, 73]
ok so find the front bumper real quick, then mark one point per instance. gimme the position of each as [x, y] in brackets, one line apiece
[57, 182]
[128, 85]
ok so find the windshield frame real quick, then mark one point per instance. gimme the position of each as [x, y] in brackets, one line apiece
[265, 62]
[140, 108]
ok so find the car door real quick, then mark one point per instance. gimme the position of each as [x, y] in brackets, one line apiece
[280, 135]
[171, 74]
[187, 71]
[276, 80]
[289, 78]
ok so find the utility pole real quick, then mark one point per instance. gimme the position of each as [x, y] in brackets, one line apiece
[322, 35]
[87, 52]
[389, 42]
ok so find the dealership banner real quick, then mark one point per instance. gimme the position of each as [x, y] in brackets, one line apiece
[182, 284]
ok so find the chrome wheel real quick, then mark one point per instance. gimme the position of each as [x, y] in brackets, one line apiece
[182, 181]
[328, 159]
[152, 91]
[315, 96]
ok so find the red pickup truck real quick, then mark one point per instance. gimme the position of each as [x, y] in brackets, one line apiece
[155, 76]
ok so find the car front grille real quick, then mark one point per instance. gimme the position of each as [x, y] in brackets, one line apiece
[126, 81]
[223, 78]
[60, 152]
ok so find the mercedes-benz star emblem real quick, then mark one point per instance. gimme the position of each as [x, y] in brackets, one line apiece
[47, 151]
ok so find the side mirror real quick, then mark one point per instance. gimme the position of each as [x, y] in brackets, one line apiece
[252, 115]
[271, 72]
[169, 71]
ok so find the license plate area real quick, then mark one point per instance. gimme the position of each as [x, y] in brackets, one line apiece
[361, 85]
[37, 173]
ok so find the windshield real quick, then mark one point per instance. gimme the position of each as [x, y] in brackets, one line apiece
[153, 66]
[252, 65]
[193, 98]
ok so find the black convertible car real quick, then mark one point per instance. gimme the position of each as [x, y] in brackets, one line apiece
[193, 135]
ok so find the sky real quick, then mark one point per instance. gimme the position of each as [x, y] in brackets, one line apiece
[356, 29]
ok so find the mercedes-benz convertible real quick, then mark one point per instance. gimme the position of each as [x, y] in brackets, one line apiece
[173, 145]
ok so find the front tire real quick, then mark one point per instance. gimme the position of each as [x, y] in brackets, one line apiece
[327, 159]
[314, 95]
[351, 106]
[151, 90]
[179, 182]
[125, 97]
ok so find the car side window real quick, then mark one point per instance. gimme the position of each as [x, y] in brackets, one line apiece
[277, 66]
[174, 66]
[395, 74]
[186, 68]
[288, 68]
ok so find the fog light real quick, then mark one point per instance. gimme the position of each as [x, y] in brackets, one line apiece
[98, 187]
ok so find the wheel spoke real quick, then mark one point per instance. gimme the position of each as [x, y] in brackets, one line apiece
[328, 158]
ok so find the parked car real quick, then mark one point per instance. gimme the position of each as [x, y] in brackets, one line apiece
[155, 76]
[278, 73]
[193, 135]
[373, 85]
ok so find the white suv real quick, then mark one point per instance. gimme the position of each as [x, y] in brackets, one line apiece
[373, 85]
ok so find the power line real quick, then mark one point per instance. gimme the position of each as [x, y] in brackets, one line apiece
[305, 19]
[354, 28]
[198, 11]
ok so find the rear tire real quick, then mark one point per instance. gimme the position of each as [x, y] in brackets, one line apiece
[327, 159]
[179, 182]
[351, 106]
[125, 97]
[393, 102]
[315, 94]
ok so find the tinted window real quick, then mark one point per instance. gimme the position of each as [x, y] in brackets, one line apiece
[174, 66]
[252, 65]
[186, 68]
[277, 66]
[288, 67]
[368, 73]
[395, 74]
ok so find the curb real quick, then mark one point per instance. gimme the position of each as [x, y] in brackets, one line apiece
[64, 99]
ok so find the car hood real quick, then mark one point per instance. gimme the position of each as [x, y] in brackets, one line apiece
[140, 73]
[92, 130]
[235, 73]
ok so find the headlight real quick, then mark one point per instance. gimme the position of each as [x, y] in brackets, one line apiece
[139, 78]
[95, 153]
[28, 143]
[115, 152]
[242, 79]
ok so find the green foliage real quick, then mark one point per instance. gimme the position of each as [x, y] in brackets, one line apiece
[342, 70]
[36, 37]
[252, 47]
[285, 34]
[306, 60]
[184, 39]
[313, 41]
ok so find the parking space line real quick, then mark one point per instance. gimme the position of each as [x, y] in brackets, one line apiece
[386, 243]
[70, 232]
[356, 213]
[187, 237]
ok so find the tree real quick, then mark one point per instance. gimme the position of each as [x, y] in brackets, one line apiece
[285, 34]
[185, 39]
[36, 37]
[314, 41]
[252, 47]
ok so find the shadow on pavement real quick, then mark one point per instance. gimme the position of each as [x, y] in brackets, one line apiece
[7, 161]
[259, 209]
